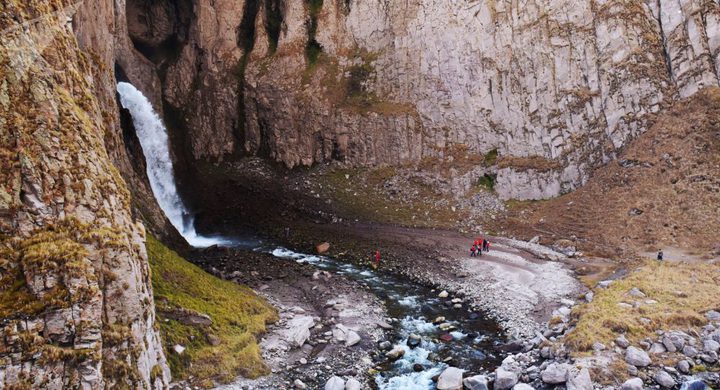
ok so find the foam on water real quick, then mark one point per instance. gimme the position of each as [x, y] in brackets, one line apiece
[154, 142]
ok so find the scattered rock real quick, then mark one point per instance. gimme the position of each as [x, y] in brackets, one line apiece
[589, 296]
[384, 325]
[413, 341]
[504, 379]
[299, 384]
[711, 346]
[656, 348]
[712, 315]
[689, 351]
[555, 373]
[212, 339]
[451, 379]
[635, 292]
[632, 384]
[179, 349]
[523, 386]
[477, 382]
[417, 367]
[443, 294]
[322, 247]
[637, 357]
[335, 383]
[664, 379]
[622, 342]
[352, 338]
[299, 330]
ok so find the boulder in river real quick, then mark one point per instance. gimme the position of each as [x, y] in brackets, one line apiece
[335, 383]
[451, 379]
[413, 341]
[323, 247]
[395, 353]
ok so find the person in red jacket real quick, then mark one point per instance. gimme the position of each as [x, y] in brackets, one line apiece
[377, 259]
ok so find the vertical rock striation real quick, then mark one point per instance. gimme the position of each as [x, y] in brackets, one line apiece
[373, 82]
[76, 306]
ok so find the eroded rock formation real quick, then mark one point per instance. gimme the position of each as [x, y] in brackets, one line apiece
[76, 304]
[373, 82]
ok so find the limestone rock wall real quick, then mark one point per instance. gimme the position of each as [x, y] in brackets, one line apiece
[76, 304]
[373, 82]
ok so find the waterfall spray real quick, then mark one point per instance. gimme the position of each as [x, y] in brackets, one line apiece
[154, 142]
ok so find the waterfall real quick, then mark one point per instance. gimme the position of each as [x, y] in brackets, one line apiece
[154, 142]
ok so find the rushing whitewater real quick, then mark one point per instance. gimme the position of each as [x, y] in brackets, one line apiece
[154, 142]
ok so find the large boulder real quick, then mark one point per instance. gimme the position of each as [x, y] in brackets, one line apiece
[504, 379]
[353, 384]
[299, 330]
[335, 383]
[477, 382]
[352, 338]
[451, 379]
[637, 357]
[555, 373]
[664, 379]
[579, 380]
[632, 384]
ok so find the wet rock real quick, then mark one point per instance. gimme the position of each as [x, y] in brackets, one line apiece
[579, 380]
[443, 294]
[555, 373]
[451, 379]
[385, 345]
[477, 382]
[504, 379]
[637, 357]
[384, 325]
[446, 337]
[353, 384]
[664, 379]
[632, 384]
[335, 383]
[413, 341]
[395, 353]
[417, 367]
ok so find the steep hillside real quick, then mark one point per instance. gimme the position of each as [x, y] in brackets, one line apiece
[663, 191]
[76, 303]
[218, 347]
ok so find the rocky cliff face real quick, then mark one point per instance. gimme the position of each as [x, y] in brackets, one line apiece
[76, 306]
[373, 82]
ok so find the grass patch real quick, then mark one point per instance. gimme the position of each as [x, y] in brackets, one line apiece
[238, 316]
[491, 158]
[683, 293]
[487, 182]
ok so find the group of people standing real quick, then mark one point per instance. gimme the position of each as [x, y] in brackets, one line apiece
[479, 246]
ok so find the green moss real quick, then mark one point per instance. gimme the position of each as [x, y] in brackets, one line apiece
[491, 157]
[487, 182]
[238, 316]
[313, 49]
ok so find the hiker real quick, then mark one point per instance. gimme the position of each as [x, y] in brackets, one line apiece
[486, 244]
[377, 259]
[287, 233]
[473, 250]
[660, 255]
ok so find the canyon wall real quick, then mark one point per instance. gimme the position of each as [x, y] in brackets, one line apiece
[372, 82]
[76, 304]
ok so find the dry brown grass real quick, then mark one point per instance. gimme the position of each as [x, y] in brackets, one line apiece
[683, 293]
[672, 174]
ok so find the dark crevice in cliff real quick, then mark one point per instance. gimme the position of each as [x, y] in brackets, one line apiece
[313, 49]
[246, 40]
[663, 39]
[273, 22]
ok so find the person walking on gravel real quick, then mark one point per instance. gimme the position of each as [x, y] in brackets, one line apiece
[376, 264]
[660, 255]
[486, 245]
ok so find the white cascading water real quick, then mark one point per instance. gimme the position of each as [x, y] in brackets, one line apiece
[154, 142]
